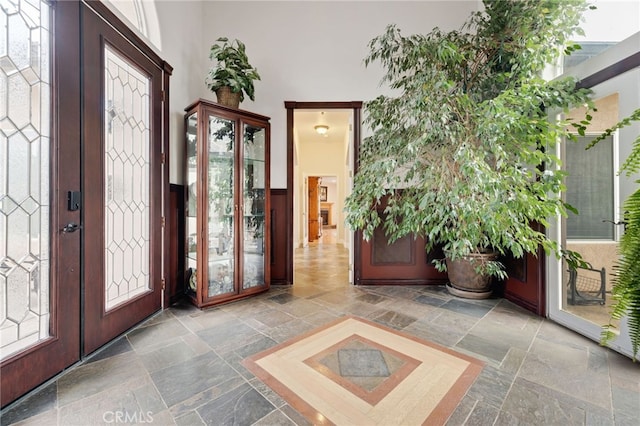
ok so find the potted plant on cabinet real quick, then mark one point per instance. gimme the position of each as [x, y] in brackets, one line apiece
[232, 76]
[463, 154]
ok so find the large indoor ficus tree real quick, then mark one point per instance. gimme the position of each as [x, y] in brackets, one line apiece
[463, 154]
[460, 154]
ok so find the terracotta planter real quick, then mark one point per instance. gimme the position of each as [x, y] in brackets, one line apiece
[464, 281]
[228, 98]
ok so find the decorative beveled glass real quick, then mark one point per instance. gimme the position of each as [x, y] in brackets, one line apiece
[127, 167]
[25, 121]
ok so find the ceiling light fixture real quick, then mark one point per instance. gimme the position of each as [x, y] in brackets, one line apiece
[321, 129]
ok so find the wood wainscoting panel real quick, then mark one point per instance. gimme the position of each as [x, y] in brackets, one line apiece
[402, 262]
[280, 247]
[175, 222]
[525, 285]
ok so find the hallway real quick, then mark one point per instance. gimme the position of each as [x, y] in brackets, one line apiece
[184, 366]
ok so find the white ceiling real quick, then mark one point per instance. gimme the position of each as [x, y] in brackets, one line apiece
[337, 119]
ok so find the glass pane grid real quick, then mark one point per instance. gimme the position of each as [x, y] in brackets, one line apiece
[127, 203]
[24, 175]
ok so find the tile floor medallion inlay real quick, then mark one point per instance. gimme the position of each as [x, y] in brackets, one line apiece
[354, 371]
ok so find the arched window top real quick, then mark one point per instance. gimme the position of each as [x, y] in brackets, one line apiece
[141, 16]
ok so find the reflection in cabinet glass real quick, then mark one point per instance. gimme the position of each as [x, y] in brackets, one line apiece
[227, 204]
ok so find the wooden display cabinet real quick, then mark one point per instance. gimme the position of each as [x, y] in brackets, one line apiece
[227, 223]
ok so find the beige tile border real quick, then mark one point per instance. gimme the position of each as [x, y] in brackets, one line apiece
[428, 394]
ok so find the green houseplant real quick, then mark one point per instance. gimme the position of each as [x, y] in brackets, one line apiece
[232, 75]
[460, 154]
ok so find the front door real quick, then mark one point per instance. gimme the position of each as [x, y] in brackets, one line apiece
[81, 184]
[582, 300]
[122, 183]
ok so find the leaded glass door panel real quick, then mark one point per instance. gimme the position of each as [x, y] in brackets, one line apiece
[39, 164]
[122, 183]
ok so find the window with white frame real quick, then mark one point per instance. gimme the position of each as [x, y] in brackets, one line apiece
[590, 185]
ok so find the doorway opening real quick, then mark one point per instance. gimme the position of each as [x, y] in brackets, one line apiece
[322, 139]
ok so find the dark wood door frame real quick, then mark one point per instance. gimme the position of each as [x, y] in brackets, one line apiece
[105, 13]
[291, 106]
[101, 325]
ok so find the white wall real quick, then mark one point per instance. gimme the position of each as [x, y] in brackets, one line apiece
[314, 51]
[612, 20]
[181, 27]
[173, 28]
[307, 50]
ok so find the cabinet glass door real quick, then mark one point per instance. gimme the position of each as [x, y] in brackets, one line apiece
[221, 208]
[253, 178]
[191, 208]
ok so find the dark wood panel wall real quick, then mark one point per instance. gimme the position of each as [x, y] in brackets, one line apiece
[175, 224]
[279, 244]
[525, 285]
[403, 262]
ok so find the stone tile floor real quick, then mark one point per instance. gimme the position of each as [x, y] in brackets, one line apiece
[183, 366]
